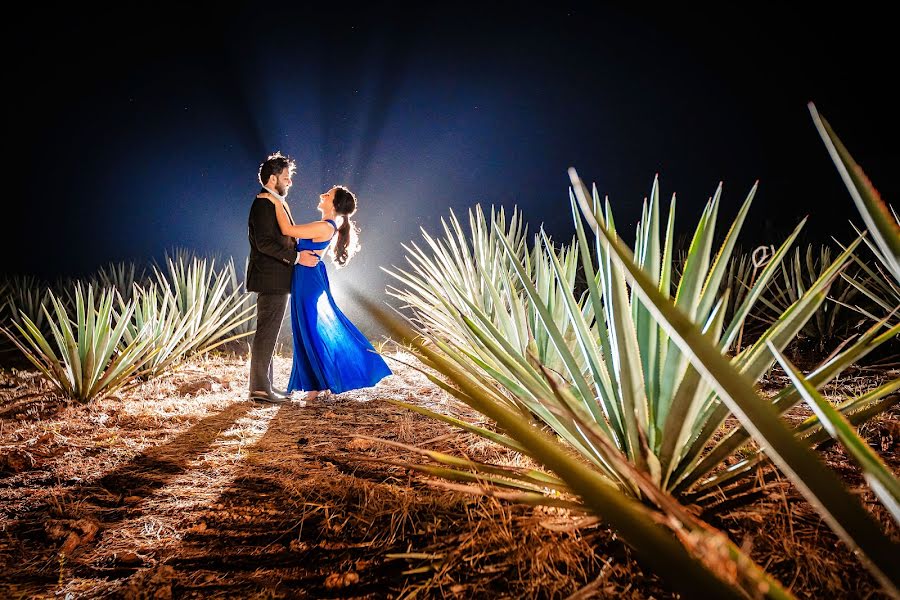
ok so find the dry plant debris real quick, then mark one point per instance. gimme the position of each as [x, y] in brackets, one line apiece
[180, 488]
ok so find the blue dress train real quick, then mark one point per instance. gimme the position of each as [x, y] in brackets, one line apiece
[330, 353]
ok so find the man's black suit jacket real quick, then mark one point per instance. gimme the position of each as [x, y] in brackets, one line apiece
[272, 255]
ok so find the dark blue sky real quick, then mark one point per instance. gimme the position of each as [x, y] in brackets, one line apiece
[134, 133]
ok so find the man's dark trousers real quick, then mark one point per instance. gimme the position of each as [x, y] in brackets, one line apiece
[269, 315]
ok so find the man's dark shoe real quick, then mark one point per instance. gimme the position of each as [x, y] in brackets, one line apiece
[280, 394]
[267, 397]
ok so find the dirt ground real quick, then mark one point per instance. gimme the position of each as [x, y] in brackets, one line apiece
[180, 488]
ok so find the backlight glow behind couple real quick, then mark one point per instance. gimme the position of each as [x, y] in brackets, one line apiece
[286, 267]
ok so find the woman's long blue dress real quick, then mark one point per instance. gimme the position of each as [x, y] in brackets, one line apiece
[330, 353]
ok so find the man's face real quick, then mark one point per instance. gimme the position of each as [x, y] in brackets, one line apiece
[283, 182]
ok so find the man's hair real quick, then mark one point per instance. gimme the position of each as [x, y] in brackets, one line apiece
[274, 165]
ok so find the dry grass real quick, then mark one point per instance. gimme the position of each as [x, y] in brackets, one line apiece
[180, 488]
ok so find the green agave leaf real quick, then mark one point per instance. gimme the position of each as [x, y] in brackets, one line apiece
[687, 297]
[552, 330]
[626, 359]
[810, 432]
[608, 384]
[68, 347]
[35, 356]
[852, 405]
[723, 257]
[788, 398]
[881, 224]
[681, 422]
[877, 474]
[572, 435]
[585, 341]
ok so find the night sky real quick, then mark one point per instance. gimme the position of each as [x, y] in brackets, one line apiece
[135, 133]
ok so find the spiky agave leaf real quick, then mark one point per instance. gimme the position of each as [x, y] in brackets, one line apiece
[880, 221]
[880, 478]
[83, 357]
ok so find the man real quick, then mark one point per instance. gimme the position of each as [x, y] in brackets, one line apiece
[269, 270]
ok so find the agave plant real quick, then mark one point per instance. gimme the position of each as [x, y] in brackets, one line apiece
[820, 486]
[181, 330]
[626, 386]
[439, 284]
[119, 276]
[83, 358]
[24, 296]
[467, 278]
[833, 320]
[201, 296]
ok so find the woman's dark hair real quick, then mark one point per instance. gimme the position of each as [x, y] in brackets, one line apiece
[274, 165]
[348, 235]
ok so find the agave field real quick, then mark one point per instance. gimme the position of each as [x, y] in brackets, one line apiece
[577, 418]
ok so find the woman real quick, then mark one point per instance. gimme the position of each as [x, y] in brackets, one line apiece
[330, 353]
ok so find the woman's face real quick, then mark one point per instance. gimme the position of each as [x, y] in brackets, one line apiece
[326, 201]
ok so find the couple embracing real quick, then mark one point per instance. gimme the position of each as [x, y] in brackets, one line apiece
[330, 353]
